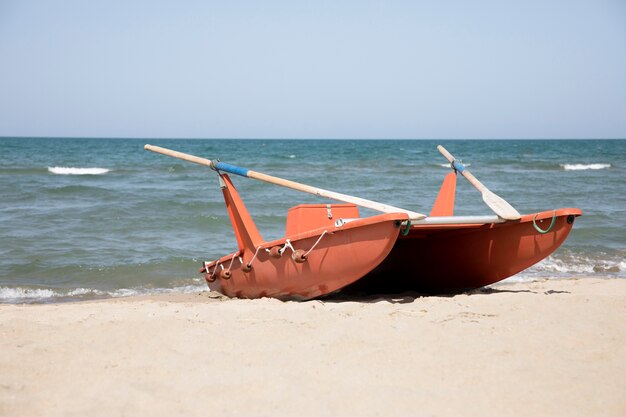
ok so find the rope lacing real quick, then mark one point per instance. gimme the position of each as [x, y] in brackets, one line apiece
[284, 248]
[231, 262]
[212, 276]
[314, 245]
[249, 264]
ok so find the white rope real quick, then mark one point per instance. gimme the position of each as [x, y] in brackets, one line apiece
[287, 245]
[214, 271]
[313, 247]
[231, 261]
[254, 257]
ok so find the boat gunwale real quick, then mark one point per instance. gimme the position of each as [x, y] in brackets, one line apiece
[361, 222]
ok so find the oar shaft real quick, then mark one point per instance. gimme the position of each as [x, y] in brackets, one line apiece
[232, 169]
[461, 168]
[179, 155]
[385, 208]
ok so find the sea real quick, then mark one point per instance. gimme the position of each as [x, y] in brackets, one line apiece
[89, 218]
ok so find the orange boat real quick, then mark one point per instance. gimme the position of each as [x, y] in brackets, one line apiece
[328, 247]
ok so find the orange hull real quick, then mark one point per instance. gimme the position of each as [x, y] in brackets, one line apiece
[304, 265]
[340, 258]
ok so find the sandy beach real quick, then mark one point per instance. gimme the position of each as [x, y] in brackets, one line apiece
[549, 348]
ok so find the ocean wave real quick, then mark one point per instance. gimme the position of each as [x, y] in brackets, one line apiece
[45, 295]
[7, 293]
[77, 171]
[569, 266]
[23, 171]
[583, 167]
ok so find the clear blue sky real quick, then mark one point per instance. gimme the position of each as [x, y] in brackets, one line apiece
[313, 69]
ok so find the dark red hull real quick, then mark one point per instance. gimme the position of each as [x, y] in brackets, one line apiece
[453, 258]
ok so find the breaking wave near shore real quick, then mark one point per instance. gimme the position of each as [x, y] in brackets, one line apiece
[77, 171]
[584, 167]
[566, 265]
[47, 295]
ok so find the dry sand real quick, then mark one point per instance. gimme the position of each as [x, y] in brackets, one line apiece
[550, 348]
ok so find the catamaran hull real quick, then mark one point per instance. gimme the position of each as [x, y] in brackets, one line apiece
[370, 256]
[331, 261]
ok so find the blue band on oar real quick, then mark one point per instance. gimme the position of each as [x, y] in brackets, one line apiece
[458, 166]
[231, 169]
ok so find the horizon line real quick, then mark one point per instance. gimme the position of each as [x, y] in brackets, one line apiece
[291, 138]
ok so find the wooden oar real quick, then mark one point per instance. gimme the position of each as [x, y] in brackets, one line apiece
[495, 203]
[222, 166]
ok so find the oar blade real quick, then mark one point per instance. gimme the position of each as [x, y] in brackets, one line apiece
[496, 203]
[500, 206]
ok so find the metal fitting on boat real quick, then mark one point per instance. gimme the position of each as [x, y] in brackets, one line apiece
[299, 256]
[275, 252]
[341, 222]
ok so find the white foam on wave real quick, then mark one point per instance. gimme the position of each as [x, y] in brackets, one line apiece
[583, 167]
[82, 291]
[571, 266]
[19, 294]
[559, 266]
[38, 294]
[576, 266]
[77, 171]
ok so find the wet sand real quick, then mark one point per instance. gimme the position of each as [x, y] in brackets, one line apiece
[549, 348]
